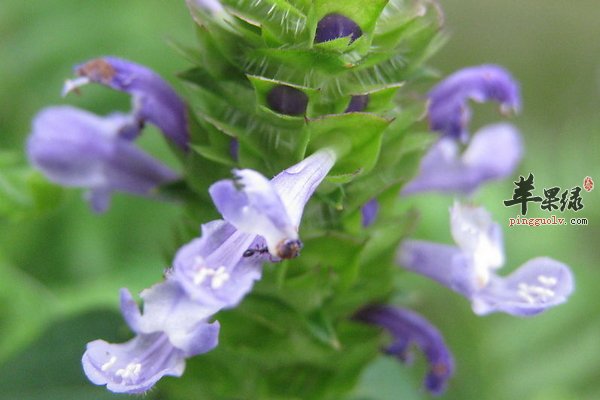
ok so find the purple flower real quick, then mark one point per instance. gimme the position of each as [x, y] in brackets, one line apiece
[407, 329]
[213, 270]
[272, 209]
[154, 100]
[210, 273]
[469, 268]
[76, 148]
[492, 154]
[448, 111]
[171, 329]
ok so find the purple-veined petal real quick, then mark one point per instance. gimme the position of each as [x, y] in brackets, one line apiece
[369, 212]
[73, 147]
[212, 269]
[272, 209]
[168, 309]
[407, 329]
[134, 366]
[448, 110]
[539, 284]
[251, 204]
[446, 264]
[492, 154]
[153, 98]
[296, 184]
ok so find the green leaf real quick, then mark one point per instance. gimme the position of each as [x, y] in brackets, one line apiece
[355, 136]
[279, 17]
[24, 192]
[25, 309]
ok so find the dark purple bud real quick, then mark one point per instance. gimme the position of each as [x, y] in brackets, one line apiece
[335, 26]
[358, 103]
[287, 100]
[369, 212]
[409, 328]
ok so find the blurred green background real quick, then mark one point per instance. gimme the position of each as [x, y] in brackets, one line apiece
[60, 273]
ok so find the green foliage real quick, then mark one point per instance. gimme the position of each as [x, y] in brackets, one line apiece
[293, 337]
[24, 193]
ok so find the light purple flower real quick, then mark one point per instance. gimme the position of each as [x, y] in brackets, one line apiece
[73, 147]
[469, 268]
[154, 100]
[409, 328]
[213, 270]
[272, 209]
[171, 329]
[448, 110]
[492, 154]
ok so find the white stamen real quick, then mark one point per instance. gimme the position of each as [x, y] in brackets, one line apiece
[218, 276]
[534, 294]
[131, 371]
[547, 280]
[106, 366]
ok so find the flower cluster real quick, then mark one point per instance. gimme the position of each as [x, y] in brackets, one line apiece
[261, 217]
[74, 147]
[212, 272]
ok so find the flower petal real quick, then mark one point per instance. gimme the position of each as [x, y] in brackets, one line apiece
[134, 366]
[539, 284]
[409, 328]
[448, 111]
[154, 99]
[252, 205]
[168, 309]
[478, 236]
[296, 184]
[445, 264]
[212, 269]
[493, 153]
